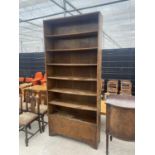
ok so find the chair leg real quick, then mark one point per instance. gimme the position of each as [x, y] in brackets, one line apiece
[39, 125]
[26, 136]
[107, 144]
[43, 127]
[29, 126]
[110, 138]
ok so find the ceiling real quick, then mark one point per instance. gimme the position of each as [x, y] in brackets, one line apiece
[118, 26]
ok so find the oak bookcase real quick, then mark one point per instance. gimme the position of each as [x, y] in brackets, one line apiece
[73, 66]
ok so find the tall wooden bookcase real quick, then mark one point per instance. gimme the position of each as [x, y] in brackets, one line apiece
[73, 67]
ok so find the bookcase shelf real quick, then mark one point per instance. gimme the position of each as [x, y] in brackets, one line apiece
[74, 105]
[65, 64]
[72, 78]
[73, 35]
[73, 67]
[72, 50]
[73, 91]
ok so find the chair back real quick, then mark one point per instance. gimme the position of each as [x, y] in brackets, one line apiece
[112, 86]
[45, 76]
[20, 103]
[20, 100]
[33, 100]
[21, 79]
[38, 75]
[28, 80]
[126, 87]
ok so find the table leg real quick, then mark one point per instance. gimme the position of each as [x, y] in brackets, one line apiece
[107, 144]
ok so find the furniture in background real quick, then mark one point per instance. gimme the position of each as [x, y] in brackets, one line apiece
[120, 118]
[28, 80]
[73, 67]
[29, 116]
[126, 87]
[102, 88]
[112, 86]
[37, 89]
[103, 107]
[40, 91]
[24, 85]
[21, 79]
[43, 109]
[22, 105]
[20, 101]
[43, 81]
[37, 78]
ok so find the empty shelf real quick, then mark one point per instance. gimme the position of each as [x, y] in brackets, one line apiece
[75, 118]
[65, 64]
[74, 105]
[72, 78]
[73, 35]
[73, 91]
[72, 49]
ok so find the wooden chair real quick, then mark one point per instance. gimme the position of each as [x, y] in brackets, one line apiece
[21, 79]
[28, 80]
[37, 78]
[112, 86]
[43, 109]
[102, 89]
[43, 81]
[20, 103]
[23, 105]
[126, 87]
[28, 117]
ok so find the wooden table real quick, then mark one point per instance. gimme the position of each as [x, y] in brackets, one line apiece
[103, 103]
[120, 118]
[38, 89]
[24, 85]
[103, 107]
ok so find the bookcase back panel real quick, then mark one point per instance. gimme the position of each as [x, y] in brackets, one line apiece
[84, 42]
[71, 25]
[89, 72]
[49, 43]
[73, 98]
[50, 84]
[84, 115]
[73, 57]
[75, 28]
[78, 85]
[50, 70]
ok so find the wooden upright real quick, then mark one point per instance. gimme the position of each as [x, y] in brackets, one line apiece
[73, 67]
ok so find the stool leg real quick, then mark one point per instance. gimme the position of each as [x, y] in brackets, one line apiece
[107, 144]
